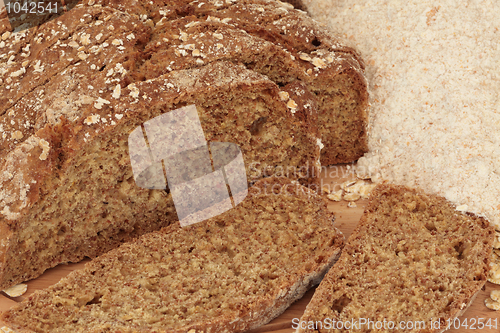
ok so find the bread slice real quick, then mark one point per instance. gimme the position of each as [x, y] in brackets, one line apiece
[297, 4]
[231, 273]
[309, 53]
[413, 259]
[333, 72]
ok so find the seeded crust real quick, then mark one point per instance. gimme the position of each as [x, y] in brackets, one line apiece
[102, 204]
[4, 21]
[412, 257]
[67, 68]
[331, 71]
[75, 102]
[231, 273]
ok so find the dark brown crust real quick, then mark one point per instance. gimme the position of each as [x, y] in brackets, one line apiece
[297, 33]
[40, 97]
[297, 4]
[69, 141]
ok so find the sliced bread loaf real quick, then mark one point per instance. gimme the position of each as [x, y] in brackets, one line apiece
[231, 273]
[73, 89]
[308, 52]
[332, 71]
[412, 260]
[80, 198]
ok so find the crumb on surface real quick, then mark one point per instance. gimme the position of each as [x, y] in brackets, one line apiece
[17, 290]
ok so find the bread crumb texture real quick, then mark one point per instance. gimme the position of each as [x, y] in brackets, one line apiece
[412, 257]
[494, 276]
[227, 274]
[433, 73]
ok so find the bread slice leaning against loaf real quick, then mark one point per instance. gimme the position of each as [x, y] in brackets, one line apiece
[412, 260]
[230, 273]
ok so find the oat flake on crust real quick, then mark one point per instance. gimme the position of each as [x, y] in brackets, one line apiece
[433, 71]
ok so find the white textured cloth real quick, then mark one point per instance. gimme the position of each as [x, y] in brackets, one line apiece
[434, 74]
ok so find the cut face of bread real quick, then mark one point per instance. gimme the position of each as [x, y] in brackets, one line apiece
[333, 77]
[62, 67]
[412, 259]
[332, 71]
[231, 273]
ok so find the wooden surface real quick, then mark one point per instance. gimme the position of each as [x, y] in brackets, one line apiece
[346, 220]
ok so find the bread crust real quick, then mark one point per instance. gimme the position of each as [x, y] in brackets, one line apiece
[73, 143]
[342, 110]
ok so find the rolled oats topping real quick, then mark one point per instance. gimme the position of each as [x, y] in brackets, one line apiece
[491, 304]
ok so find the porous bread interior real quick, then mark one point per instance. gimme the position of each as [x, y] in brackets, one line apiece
[341, 97]
[92, 207]
[412, 258]
[342, 128]
[222, 274]
[95, 205]
[256, 121]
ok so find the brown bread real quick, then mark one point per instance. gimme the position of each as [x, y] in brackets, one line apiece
[72, 90]
[413, 259]
[332, 71]
[231, 273]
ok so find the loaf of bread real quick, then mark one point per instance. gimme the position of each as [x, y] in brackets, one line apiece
[193, 33]
[74, 88]
[412, 260]
[230, 273]
[67, 185]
